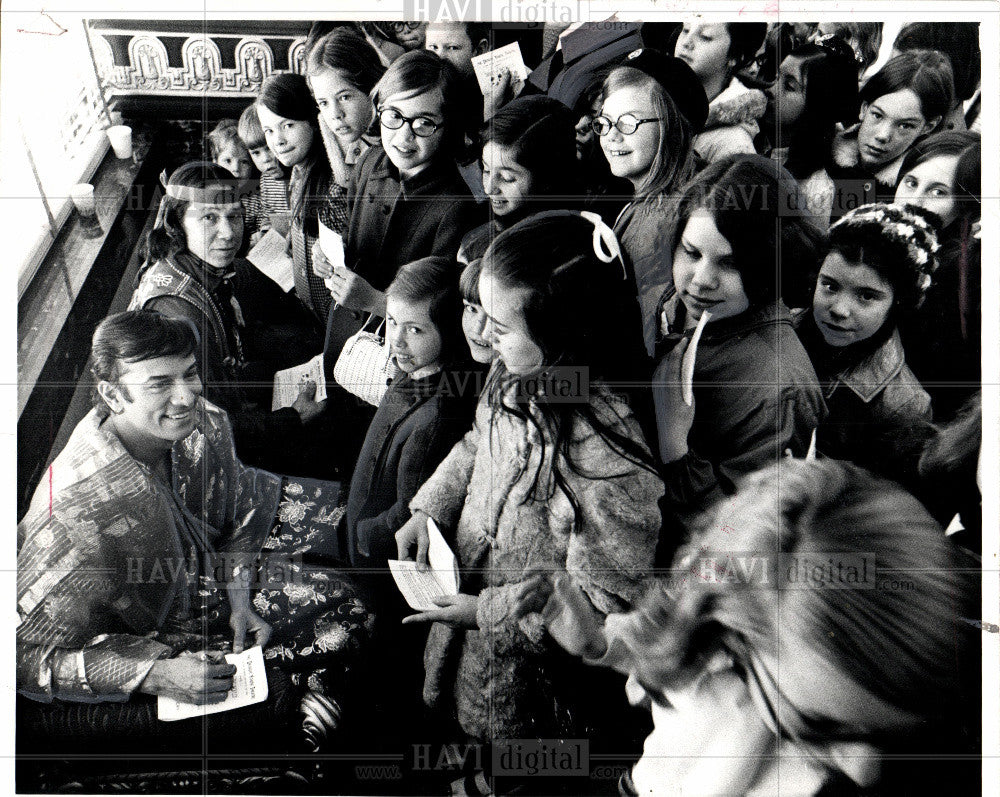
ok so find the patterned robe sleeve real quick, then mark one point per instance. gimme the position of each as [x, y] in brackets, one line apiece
[62, 597]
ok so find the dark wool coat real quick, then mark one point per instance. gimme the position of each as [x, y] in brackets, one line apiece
[756, 395]
[394, 222]
[415, 426]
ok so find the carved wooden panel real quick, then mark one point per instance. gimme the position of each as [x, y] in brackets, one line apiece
[149, 70]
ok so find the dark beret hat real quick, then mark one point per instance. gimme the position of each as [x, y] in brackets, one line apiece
[677, 78]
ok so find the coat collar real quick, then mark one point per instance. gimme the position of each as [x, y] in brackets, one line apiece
[846, 156]
[438, 173]
[736, 105]
[872, 374]
[765, 315]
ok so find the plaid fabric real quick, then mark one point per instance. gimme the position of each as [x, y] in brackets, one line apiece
[331, 209]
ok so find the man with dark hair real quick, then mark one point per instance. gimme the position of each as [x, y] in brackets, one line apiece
[146, 539]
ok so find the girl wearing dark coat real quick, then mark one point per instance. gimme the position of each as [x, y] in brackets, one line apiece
[755, 393]
[427, 409]
[942, 174]
[878, 268]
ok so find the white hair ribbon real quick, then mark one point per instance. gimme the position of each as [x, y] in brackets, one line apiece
[606, 247]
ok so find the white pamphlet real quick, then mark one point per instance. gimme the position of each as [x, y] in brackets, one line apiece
[490, 67]
[332, 244]
[287, 383]
[270, 255]
[420, 588]
[249, 687]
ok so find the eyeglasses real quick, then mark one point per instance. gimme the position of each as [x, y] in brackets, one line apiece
[420, 125]
[627, 124]
[399, 27]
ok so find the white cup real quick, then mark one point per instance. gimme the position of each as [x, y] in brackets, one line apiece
[82, 195]
[120, 137]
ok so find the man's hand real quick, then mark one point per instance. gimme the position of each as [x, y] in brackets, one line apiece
[198, 678]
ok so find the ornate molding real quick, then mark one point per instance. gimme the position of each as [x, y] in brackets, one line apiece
[149, 70]
[148, 61]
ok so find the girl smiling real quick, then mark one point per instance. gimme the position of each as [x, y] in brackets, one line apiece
[755, 394]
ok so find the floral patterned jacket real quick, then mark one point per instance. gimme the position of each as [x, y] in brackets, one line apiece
[103, 545]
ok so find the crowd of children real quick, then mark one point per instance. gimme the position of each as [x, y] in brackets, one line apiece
[685, 313]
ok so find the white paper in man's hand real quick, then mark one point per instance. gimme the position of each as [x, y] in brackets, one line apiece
[288, 383]
[420, 588]
[270, 256]
[249, 687]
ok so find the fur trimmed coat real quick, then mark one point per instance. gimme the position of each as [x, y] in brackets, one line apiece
[507, 678]
[732, 123]
[858, 184]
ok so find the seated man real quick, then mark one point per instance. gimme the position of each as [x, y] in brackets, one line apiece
[144, 538]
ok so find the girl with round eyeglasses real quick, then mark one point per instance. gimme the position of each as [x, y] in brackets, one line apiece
[411, 203]
[650, 107]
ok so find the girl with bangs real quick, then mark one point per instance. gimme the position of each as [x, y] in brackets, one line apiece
[650, 107]
[408, 199]
[943, 175]
[754, 393]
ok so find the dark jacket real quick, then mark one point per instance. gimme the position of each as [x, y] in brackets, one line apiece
[394, 222]
[414, 428]
[756, 395]
[943, 337]
[645, 231]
